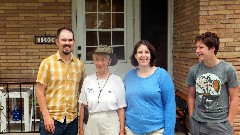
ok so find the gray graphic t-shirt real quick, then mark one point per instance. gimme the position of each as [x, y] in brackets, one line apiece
[212, 98]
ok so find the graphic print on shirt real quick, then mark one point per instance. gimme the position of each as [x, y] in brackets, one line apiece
[208, 88]
[90, 90]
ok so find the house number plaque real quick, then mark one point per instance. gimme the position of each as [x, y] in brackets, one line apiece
[44, 39]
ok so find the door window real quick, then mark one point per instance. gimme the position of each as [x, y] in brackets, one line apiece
[105, 25]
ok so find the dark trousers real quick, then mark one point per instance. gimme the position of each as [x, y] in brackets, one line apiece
[61, 128]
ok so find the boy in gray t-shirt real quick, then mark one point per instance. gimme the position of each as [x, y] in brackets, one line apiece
[212, 84]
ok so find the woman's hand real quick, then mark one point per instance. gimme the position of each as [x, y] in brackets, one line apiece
[80, 133]
[121, 133]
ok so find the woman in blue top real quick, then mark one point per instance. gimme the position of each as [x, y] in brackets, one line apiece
[150, 95]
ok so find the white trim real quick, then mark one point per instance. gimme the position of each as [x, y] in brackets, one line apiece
[74, 25]
[78, 27]
[137, 21]
[170, 37]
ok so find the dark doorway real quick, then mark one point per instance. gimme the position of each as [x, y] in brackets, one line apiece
[154, 26]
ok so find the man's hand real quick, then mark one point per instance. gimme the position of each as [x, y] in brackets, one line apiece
[49, 124]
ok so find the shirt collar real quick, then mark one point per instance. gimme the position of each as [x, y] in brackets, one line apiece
[60, 58]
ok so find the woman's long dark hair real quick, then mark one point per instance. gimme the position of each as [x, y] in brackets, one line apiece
[150, 48]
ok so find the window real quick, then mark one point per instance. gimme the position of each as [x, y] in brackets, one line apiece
[105, 25]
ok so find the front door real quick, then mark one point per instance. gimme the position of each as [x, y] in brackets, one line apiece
[154, 28]
[106, 22]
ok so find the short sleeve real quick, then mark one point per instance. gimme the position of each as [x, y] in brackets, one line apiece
[232, 77]
[82, 97]
[42, 76]
[121, 101]
[190, 81]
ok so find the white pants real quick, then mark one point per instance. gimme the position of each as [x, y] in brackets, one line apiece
[157, 132]
[103, 123]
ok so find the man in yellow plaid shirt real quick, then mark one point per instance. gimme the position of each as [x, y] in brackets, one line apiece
[58, 81]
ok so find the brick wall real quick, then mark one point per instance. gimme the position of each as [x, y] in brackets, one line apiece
[185, 28]
[21, 20]
[193, 17]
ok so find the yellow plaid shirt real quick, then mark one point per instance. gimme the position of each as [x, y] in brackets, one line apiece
[62, 84]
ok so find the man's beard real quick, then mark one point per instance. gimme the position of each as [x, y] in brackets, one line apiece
[67, 52]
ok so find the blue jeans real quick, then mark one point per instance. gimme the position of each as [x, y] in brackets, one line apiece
[61, 128]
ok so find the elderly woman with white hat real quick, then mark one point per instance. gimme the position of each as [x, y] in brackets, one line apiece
[103, 94]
